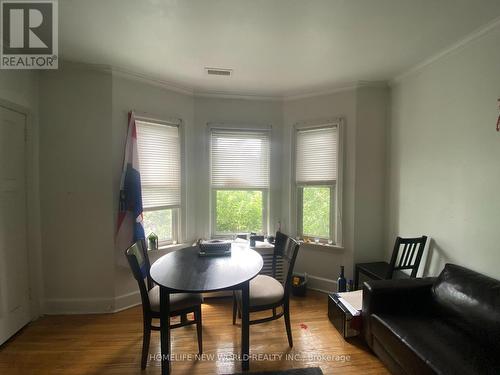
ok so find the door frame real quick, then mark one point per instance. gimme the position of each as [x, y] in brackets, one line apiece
[33, 240]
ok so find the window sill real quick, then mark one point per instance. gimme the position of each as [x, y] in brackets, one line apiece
[164, 249]
[322, 245]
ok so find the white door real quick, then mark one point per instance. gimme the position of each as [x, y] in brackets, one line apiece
[14, 285]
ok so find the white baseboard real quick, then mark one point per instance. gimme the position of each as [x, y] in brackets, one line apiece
[321, 284]
[126, 301]
[66, 306]
[70, 306]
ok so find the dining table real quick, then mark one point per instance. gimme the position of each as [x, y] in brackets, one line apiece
[185, 271]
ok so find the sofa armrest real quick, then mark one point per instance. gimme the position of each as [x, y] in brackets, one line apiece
[396, 296]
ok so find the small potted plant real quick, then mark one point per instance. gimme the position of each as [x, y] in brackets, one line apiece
[153, 241]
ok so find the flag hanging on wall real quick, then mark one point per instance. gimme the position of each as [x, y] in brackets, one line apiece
[130, 228]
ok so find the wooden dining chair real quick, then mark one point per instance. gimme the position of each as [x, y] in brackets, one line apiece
[181, 304]
[406, 255]
[267, 293]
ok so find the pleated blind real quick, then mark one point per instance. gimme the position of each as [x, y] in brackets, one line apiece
[239, 159]
[160, 165]
[316, 155]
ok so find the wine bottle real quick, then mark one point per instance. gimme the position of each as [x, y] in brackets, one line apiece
[341, 281]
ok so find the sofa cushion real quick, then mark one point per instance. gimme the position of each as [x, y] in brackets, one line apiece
[471, 299]
[426, 344]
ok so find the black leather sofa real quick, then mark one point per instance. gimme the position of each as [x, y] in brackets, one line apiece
[444, 325]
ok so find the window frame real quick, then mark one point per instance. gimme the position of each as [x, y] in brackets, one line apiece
[300, 208]
[179, 211]
[265, 203]
[213, 190]
[335, 185]
[175, 225]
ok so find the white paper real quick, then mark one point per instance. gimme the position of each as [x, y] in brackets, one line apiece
[353, 301]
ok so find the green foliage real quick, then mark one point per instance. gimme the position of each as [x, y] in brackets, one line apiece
[158, 222]
[316, 211]
[238, 211]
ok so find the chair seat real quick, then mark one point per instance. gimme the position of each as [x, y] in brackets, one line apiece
[264, 290]
[178, 301]
[379, 270]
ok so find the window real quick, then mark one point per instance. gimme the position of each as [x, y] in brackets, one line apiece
[316, 177]
[239, 179]
[160, 167]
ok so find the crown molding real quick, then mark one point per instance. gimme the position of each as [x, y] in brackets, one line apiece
[128, 74]
[235, 96]
[144, 78]
[324, 92]
[190, 91]
[153, 81]
[470, 38]
[65, 64]
[336, 89]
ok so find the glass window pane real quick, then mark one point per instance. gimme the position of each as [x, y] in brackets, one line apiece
[316, 211]
[158, 222]
[238, 211]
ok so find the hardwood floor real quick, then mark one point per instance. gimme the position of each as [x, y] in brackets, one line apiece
[111, 344]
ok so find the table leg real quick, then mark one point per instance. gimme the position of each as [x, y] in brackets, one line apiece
[245, 326]
[165, 330]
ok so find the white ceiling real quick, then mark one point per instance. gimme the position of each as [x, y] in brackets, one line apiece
[275, 47]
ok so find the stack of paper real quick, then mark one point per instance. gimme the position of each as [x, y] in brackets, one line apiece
[353, 301]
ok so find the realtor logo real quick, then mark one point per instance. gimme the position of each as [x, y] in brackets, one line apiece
[29, 34]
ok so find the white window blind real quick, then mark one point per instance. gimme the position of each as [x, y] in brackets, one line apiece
[240, 159]
[316, 155]
[159, 163]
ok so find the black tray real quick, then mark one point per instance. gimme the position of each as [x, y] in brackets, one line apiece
[214, 253]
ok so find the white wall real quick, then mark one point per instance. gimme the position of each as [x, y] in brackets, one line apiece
[363, 112]
[320, 262]
[445, 153]
[76, 190]
[372, 107]
[84, 123]
[19, 91]
[157, 102]
[235, 112]
[442, 168]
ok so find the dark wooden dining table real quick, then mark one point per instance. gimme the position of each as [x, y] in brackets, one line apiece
[184, 271]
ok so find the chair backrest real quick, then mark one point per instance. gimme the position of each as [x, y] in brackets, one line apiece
[407, 255]
[286, 248]
[279, 248]
[139, 264]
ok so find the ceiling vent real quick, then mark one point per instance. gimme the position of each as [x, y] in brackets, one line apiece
[219, 72]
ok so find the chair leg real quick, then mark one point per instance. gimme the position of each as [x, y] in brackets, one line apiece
[238, 306]
[197, 317]
[286, 313]
[235, 308]
[146, 335]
